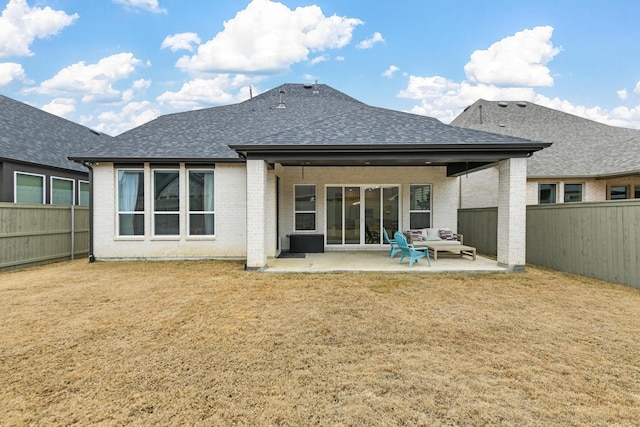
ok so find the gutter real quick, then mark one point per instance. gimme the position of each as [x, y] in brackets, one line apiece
[88, 165]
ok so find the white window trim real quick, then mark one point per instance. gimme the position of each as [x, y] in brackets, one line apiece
[314, 212]
[117, 210]
[15, 185]
[73, 189]
[179, 212]
[430, 210]
[189, 211]
[78, 195]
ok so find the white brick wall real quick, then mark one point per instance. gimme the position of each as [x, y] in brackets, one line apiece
[512, 213]
[230, 221]
[257, 213]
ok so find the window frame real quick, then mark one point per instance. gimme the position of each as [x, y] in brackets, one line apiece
[42, 177]
[155, 212]
[80, 184]
[119, 212]
[626, 192]
[73, 190]
[555, 193]
[314, 211]
[202, 212]
[564, 189]
[429, 210]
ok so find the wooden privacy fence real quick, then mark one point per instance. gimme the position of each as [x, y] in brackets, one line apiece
[37, 234]
[599, 239]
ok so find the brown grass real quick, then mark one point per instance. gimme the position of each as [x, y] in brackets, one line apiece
[205, 343]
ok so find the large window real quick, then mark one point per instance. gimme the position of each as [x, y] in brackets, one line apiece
[305, 208]
[572, 193]
[420, 206]
[83, 193]
[166, 202]
[130, 203]
[201, 203]
[546, 193]
[29, 188]
[617, 192]
[636, 193]
[62, 191]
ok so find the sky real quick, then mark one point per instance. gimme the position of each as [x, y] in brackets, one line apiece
[112, 65]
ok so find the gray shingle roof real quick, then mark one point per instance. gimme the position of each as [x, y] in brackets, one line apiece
[581, 147]
[328, 117]
[33, 136]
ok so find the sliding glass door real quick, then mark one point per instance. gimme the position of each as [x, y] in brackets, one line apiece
[357, 214]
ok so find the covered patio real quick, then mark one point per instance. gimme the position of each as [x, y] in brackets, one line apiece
[379, 262]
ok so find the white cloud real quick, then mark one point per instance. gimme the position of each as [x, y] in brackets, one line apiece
[518, 60]
[390, 71]
[622, 94]
[11, 72]
[137, 86]
[368, 43]
[319, 59]
[181, 41]
[62, 107]
[132, 115]
[268, 37]
[93, 81]
[339, 58]
[199, 93]
[530, 50]
[20, 25]
[148, 5]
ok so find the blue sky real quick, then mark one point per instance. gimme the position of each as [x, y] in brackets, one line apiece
[115, 64]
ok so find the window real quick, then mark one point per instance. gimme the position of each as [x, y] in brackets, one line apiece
[572, 193]
[29, 188]
[546, 193]
[420, 206]
[617, 192]
[130, 202]
[636, 194]
[62, 191]
[166, 202]
[201, 203]
[305, 208]
[83, 196]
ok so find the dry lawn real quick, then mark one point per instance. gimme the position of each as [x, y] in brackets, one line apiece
[206, 343]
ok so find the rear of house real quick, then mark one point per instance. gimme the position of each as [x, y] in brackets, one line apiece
[243, 181]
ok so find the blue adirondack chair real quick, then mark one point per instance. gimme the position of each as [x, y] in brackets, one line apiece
[407, 250]
[393, 246]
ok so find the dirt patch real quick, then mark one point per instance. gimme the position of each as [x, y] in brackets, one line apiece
[206, 343]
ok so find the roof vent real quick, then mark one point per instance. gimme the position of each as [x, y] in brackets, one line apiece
[307, 85]
[315, 88]
[521, 104]
[502, 103]
[281, 102]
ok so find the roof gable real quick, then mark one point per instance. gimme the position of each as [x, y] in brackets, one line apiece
[581, 147]
[30, 135]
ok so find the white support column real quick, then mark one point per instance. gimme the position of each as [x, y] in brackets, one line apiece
[256, 214]
[512, 213]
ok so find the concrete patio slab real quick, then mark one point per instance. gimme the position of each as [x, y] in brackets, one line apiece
[378, 261]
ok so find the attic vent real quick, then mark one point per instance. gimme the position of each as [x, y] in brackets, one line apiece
[503, 104]
[521, 104]
[281, 102]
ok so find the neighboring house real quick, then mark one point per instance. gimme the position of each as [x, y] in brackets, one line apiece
[240, 181]
[34, 150]
[588, 161]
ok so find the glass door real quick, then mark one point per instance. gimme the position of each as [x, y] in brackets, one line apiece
[357, 214]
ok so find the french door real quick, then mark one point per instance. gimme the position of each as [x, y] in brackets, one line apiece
[356, 214]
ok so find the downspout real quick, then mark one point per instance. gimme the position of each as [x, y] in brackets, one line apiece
[88, 166]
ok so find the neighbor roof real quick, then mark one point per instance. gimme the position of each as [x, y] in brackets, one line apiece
[581, 147]
[296, 118]
[30, 135]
